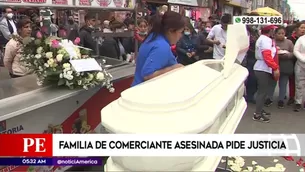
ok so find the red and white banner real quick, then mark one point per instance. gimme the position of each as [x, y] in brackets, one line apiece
[59, 145]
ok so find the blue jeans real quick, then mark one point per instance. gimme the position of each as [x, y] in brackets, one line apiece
[283, 81]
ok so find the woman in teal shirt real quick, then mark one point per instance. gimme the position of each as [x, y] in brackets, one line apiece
[155, 56]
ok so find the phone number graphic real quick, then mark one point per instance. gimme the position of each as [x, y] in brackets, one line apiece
[258, 20]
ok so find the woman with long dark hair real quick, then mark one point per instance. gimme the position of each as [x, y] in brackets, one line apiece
[155, 56]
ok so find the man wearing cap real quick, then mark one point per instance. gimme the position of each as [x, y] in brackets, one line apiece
[266, 70]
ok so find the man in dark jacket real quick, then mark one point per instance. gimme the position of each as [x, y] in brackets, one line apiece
[85, 33]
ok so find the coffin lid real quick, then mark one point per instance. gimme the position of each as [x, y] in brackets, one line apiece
[237, 44]
[173, 87]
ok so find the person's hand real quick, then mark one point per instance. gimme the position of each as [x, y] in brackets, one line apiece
[189, 54]
[193, 53]
[216, 42]
[209, 50]
[276, 74]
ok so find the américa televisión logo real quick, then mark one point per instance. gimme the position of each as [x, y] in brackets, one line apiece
[5, 130]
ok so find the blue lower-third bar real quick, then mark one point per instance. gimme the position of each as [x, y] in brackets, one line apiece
[51, 161]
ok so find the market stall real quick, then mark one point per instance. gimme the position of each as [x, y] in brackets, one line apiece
[26, 107]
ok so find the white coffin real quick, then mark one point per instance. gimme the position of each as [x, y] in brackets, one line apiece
[206, 97]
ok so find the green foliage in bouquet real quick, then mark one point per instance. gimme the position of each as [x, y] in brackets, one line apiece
[49, 59]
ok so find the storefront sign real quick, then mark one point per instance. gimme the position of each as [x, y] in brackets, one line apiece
[106, 3]
[184, 2]
[84, 2]
[228, 9]
[60, 2]
[175, 8]
[4, 129]
[46, 3]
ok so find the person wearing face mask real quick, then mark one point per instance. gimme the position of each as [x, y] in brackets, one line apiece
[7, 26]
[203, 49]
[207, 28]
[155, 56]
[71, 29]
[186, 47]
[85, 33]
[141, 30]
[218, 36]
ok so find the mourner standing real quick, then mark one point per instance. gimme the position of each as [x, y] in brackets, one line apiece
[266, 70]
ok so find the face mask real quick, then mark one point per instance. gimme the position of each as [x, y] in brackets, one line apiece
[92, 27]
[142, 33]
[208, 29]
[187, 33]
[10, 15]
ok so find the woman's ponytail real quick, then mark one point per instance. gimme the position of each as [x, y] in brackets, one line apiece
[161, 24]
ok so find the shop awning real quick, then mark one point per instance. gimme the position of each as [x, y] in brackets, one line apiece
[236, 3]
[184, 2]
[266, 11]
[157, 1]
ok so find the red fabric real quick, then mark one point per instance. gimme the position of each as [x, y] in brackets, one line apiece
[291, 86]
[138, 37]
[270, 27]
[269, 60]
[294, 35]
[173, 48]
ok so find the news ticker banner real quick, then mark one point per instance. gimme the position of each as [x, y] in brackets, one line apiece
[91, 145]
[28, 161]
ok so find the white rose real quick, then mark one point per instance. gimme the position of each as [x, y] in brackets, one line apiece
[50, 62]
[90, 77]
[59, 57]
[235, 168]
[100, 76]
[46, 65]
[39, 50]
[111, 90]
[49, 55]
[66, 65]
[37, 56]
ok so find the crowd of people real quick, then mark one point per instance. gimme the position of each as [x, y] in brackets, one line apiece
[276, 56]
[169, 41]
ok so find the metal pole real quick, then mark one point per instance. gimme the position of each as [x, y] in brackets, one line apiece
[136, 41]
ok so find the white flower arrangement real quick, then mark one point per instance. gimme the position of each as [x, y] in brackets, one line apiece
[237, 164]
[49, 58]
